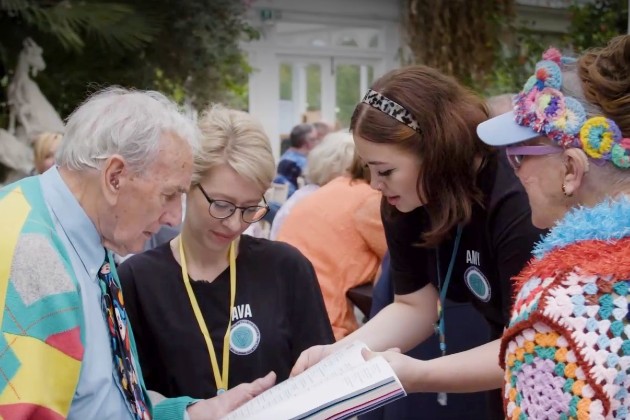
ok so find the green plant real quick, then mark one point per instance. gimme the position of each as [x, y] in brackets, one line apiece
[191, 51]
[458, 37]
[593, 24]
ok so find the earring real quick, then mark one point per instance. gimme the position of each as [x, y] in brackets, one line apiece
[564, 191]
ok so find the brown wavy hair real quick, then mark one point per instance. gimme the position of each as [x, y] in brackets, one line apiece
[446, 144]
[605, 75]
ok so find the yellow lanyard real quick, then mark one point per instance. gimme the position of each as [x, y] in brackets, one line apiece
[221, 379]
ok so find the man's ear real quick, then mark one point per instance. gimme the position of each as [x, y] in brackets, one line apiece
[576, 166]
[113, 176]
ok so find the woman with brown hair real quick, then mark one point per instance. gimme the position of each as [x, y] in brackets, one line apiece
[457, 225]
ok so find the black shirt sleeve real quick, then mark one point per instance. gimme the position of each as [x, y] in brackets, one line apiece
[409, 262]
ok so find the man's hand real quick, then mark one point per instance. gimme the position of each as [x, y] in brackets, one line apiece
[309, 357]
[221, 405]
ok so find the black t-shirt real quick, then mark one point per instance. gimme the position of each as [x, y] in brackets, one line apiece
[494, 246]
[279, 312]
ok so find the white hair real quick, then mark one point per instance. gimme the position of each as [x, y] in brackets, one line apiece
[330, 159]
[125, 122]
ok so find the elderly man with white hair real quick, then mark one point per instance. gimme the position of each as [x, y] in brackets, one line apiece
[67, 349]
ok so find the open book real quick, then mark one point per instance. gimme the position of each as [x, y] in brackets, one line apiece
[340, 386]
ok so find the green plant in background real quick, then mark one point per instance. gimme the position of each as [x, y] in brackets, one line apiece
[458, 37]
[69, 28]
[197, 46]
[72, 23]
[593, 24]
[515, 61]
[188, 49]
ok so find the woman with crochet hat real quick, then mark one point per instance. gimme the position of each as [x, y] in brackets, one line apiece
[457, 225]
[566, 352]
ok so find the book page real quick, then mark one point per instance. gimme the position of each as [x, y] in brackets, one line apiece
[342, 375]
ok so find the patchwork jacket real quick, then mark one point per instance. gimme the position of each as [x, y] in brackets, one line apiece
[41, 314]
[566, 353]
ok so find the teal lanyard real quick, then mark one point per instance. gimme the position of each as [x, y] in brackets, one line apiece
[440, 329]
[443, 288]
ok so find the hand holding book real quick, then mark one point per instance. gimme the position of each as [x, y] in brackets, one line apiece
[340, 386]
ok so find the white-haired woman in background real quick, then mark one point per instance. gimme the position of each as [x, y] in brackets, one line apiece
[214, 308]
[328, 160]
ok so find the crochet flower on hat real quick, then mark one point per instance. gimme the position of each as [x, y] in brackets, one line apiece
[546, 110]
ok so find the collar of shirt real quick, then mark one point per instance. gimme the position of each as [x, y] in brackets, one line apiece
[76, 224]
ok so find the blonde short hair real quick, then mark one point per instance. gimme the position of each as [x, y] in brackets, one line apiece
[235, 138]
[330, 159]
[43, 145]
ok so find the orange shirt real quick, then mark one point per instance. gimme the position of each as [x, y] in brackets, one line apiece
[339, 229]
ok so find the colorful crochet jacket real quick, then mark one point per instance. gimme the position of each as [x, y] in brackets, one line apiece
[41, 314]
[566, 353]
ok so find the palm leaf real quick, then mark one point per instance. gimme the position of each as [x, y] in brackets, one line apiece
[13, 7]
[114, 24]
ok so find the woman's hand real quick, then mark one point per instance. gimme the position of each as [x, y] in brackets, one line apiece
[406, 368]
[309, 357]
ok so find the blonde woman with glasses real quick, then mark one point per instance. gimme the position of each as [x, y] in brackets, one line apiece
[215, 308]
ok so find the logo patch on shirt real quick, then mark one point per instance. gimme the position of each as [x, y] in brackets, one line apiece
[244, 337]
[478, 284]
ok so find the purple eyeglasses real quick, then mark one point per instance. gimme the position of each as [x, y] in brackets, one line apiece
[515, 154]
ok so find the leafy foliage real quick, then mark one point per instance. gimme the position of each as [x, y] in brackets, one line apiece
[594, 24]
[479, 43]
[197, 47]
[459, 37]
[187, 49]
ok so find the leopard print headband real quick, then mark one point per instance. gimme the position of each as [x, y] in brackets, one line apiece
[391, 108]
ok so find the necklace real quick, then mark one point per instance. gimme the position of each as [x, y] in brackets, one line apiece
[440, 328]
[221, 378]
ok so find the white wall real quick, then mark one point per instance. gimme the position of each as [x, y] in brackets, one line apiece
[285, 25]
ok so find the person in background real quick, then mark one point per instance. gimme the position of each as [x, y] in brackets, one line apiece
[457, 224]
[303, 139]
[44, 148]
[339, 229]
[216, 308]
[323, 129]
[327, 161]
[122, 166]
[566, 352]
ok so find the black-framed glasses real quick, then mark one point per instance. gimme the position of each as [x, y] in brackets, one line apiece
[222, 209]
